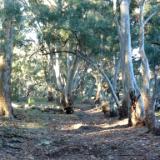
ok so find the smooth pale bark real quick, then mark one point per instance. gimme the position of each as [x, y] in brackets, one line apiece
[64, 86]
[79, 75]
[98, 91]
[129, 81]
[151, 122]
[57, 72]
[126, 43]
[149, 102]
[145, 64]
[74, 73]
[116, 73]
[72, 67]
[89, 61]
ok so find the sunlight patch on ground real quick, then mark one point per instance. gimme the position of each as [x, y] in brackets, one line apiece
[106, 127]
[112, 124]
[72, 126]
[31, 125]
[94, 110]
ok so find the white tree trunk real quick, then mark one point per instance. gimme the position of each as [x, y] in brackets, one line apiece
[150, 118]
[71, 69]
[145, 64]
[98, 84]
[126, 43]
[116, 73]
[57, 71]
[129, 81]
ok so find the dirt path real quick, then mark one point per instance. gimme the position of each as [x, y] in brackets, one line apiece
[85, 135]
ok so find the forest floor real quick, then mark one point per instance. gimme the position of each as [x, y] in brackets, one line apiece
[43, 134]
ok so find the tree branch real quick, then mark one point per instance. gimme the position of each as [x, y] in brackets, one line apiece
[147, 20]
[156, 43]
[96, 66]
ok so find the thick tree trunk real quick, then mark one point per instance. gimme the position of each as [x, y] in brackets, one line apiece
[8, 28]
[50, 94]
[71, 69]
[127, 65]
[145, 64]
[56, 67]
[126, 54]
[100, 69]
[149, 102]
[4, 104]
[150, 120]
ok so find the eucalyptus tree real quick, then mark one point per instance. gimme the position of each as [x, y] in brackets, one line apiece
[10, 16]
[71, 26]
[149, 107]
[129, 82]
[52, 38]
[146, 10]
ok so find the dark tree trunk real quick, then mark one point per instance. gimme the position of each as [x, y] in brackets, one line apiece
[67, 105]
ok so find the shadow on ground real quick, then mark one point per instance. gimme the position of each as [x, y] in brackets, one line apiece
[85, 135]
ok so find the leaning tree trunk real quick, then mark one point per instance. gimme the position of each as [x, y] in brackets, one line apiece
[127, 65]
[4, 104]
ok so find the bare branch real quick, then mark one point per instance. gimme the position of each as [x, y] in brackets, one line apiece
[147, 20]
[156, 43]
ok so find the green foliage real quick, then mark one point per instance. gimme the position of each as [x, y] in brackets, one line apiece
[12, 10]
[70, 25]
[30, 101]
[81, 22]
[27, 72]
